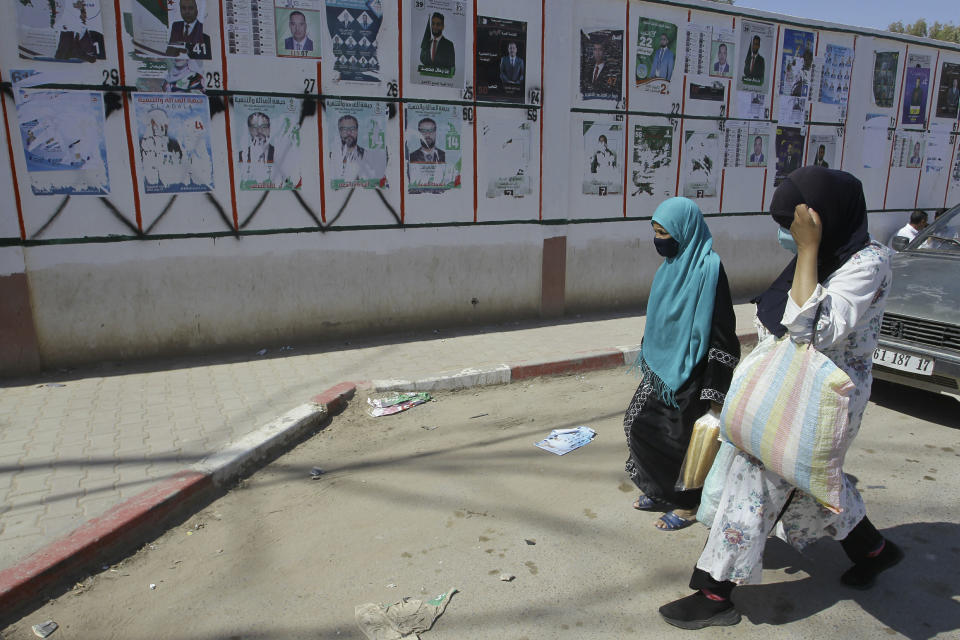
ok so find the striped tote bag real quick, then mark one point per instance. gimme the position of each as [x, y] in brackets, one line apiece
[788, 406]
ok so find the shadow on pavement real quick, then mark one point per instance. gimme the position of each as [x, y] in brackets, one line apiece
[916, 599]
[937, 408]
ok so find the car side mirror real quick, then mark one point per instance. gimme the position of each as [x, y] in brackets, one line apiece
[899, 243]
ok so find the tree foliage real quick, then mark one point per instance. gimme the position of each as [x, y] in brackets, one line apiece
[946, 31]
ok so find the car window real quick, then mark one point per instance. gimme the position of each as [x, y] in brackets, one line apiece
[941, 235]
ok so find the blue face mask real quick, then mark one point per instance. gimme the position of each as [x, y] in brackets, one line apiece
[667, 247]
[786, 240]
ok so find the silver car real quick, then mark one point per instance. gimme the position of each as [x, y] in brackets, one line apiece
[920, 334]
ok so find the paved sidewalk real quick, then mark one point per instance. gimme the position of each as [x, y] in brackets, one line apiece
[72, 449]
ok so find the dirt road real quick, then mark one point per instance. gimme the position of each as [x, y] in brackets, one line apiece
[453, 494]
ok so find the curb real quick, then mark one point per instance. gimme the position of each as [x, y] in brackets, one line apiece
[127, 525]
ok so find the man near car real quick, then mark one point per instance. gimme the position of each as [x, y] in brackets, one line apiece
[918, 222]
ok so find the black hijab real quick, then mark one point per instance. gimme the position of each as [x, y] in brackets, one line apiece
[837, 197]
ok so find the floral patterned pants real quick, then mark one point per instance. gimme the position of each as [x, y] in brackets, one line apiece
[748, 511]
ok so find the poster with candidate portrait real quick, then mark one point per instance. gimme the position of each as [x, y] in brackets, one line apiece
[651, 163]
[298, 25]
[745, 143]
[656, 54]
[505, 151]
[948, 94]
[439, 31]
[354, 26]
[884, 77]
[249, 27]
[501, 59]
[789, 143]
[356, 144]
[173, 142]
[908, 149]
[916, 86]
[602, 158]
[723, 53]
[823, 148]
[60, 31]
[601, 64]
[755, 63]
[796, 63]
[702, 163]
[266, 143]
[432, 147]
[170, 28]
[835, 75]
[62, 134]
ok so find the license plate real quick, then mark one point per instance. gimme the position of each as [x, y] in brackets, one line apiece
[903, 361]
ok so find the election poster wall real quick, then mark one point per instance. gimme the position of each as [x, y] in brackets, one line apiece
[173, 142]
[60, 31]
[266, 143]
[601, 64]
[63, 140]
[356, 144]
[433, 149]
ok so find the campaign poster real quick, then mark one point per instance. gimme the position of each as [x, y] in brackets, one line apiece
[501, 59]
[915, 89]
[656, 54]
[432, 147]
[172, 27]
[745, 144]
[505, 151]
[298, 25]
[602, 145]
[884, 77]
[266, 143]
[356, 144]
[754, 106]
[789, 143]
[652, 161]
[437, 54]
[63, 141]
[60, 31]
[723, 53]
[908, 149]
[173, 140]
[702, 163]
[601, 64]
[710, 91]
[948, 94]
[249, 26]
[354, 26]
[792, 110]
[696, 49]
[173, 75]
[756, 56]
[835, 75]
[823, 148]
[796, 63]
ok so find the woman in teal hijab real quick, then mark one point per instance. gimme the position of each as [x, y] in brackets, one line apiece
[689, 350]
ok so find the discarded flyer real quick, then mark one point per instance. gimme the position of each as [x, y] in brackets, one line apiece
[561, 441]
[403, 620]
[395, 403]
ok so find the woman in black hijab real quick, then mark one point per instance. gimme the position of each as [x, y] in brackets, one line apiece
[832, 295]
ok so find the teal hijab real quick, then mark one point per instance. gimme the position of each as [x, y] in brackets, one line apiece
[680, 309]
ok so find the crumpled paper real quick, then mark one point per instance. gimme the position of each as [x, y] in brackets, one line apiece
[404, 620]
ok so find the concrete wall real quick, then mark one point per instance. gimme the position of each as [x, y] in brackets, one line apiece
[136, 274]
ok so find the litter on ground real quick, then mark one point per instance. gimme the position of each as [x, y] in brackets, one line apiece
[395, 403]
[561, 441]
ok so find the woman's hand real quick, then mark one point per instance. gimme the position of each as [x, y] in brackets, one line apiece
[806, 228]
